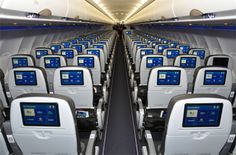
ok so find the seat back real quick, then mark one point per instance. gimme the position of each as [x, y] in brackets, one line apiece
[65, 44]
[171, 54]
[189, 63]
[153, 44]
[219, 60]
[147, 63]
[69, 54]
[92, 63]
[197, 124]
[104, 49]
[21, 60]
[161, 47]
[202, 53]
[133, 42]
[184, 48]
[106, 45]
[39, 52]
[136, 48]
[139, 55]
[79, 47]
[55, 48]
[4, 147]
[173, 44]
[98, 52]
[4, 103]
[27, 80]
[213, 80]
[165, 83]
[50, 63]
[85, 43]
[44, 124]
[76, 83]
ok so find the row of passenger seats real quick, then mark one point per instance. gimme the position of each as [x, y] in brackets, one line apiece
[66, 100]
[163, 73]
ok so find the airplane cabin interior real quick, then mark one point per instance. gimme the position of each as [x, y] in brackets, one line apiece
[117, 77]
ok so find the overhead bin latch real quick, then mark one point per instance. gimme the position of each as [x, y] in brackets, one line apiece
[208, 15]
[32, 15]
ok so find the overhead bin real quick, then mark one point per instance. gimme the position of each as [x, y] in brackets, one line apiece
[184, 7]
[164, 9]
[57, 7]
[76, 9]
[158, 9]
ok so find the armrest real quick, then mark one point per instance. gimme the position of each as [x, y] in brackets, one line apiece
[130, 70]
[107, 80]
[135, 92]
[109, 70]
[141, 113]
[132, 80]
[144, 150]
[232, 94]
[150, 142]
[91, 142]
[104, 91]
[100, 113]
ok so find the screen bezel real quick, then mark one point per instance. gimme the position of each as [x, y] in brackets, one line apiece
[66, 56]
[18, 59]
[195, 59]
[204, 83]
[49, 103]
[144, 50]
[80, 45]
[171, 54]
[38, 50]
[207, 104]
[103, 46]
[86, 58]
[35, 77]
[95, 51]
[50, 58]
[199, 55]
[153, 58]
[82, 73]
[219, 59]
[169, 71]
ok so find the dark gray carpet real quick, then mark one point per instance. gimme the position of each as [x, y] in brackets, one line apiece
[120, 138]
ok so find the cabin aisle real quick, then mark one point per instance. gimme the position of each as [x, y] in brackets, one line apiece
[120, 136]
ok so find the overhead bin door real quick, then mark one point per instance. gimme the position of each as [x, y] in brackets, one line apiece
[57, 7]
[184, 7]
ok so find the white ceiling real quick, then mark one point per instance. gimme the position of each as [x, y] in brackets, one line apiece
[120, 10]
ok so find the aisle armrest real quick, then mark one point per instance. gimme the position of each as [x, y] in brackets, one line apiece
[132, 80]
[135, 93]
[107, 80]
[150, 142]
[100, 113]
[105, 92]
[90, 149]
[141, 114]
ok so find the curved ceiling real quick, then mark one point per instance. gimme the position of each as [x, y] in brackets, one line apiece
[120, 10]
